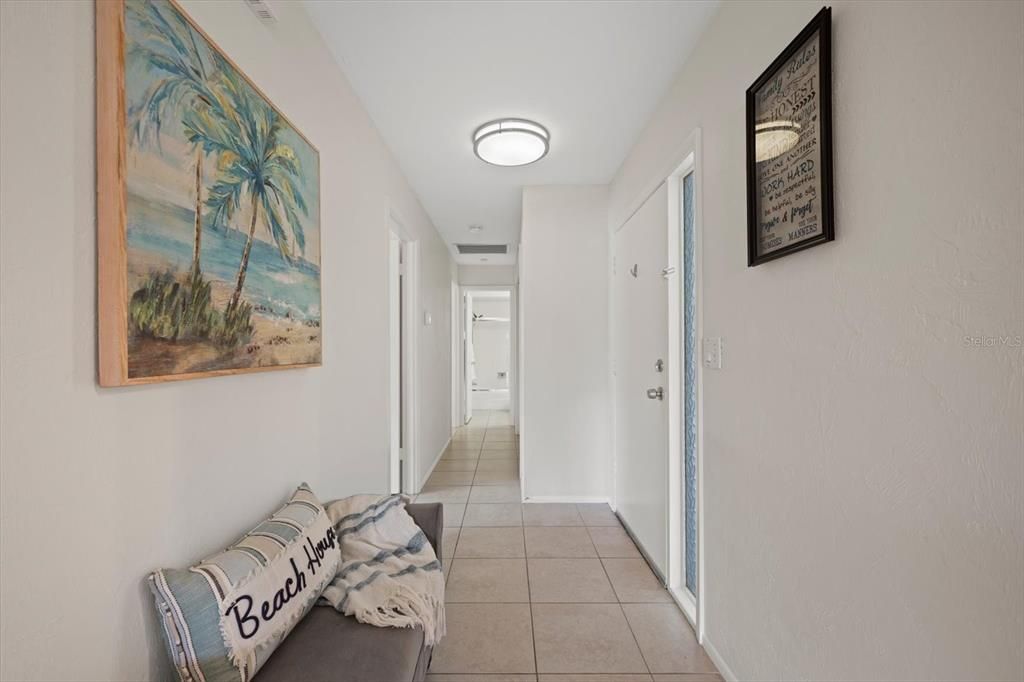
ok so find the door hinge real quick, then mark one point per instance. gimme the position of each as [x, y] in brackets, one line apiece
[668, 271]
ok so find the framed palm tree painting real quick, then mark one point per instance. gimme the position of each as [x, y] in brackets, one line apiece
[208, 213]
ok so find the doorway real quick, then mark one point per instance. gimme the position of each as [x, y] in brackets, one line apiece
[487, 351]
[402, 304]
[657, 315]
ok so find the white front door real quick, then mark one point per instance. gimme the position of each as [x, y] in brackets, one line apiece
[640, 338]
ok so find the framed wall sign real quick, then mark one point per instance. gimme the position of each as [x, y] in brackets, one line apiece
[208, 214]
[789, 148]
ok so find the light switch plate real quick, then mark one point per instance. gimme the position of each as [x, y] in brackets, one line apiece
[712, 348]
[427, 320]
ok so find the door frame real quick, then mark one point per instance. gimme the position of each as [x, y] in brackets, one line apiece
[458, 407]
[687, 151]
[692, 605]
[402, 357]
[513, 361]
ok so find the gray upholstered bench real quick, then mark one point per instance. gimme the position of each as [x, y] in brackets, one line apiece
[327, 646]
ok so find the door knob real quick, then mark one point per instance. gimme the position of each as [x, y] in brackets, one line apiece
[656, 393]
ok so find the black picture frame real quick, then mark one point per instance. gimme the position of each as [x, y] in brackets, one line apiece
[821, 25]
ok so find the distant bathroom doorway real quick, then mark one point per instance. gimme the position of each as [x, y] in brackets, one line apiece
[489, 348]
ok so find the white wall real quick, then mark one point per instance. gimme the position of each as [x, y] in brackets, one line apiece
[863, 476]
[563, 287]
[100, 486]
[487, 275]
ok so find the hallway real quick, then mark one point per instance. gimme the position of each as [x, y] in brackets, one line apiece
[554, 589]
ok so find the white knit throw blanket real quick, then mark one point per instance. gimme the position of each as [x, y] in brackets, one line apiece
[389, 574]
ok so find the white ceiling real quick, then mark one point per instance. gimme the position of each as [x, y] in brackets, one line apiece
[429, 73]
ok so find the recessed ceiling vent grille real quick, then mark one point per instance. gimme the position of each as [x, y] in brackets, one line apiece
[262, 9]
[481, 249]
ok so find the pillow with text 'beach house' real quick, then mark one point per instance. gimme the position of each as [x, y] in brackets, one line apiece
[223, 617]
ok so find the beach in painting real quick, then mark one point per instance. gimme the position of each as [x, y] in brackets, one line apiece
[223, 224]
[285, 298]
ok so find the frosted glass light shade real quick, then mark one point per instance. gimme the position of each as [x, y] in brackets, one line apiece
[511, 142]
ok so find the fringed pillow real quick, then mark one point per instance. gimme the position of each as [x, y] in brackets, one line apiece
[223, 617]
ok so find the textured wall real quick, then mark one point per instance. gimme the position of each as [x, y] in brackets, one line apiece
[101, 486]
[484, 275]
[563, 289]
[864, 466]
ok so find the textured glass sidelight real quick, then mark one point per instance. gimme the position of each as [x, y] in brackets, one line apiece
[689, 387]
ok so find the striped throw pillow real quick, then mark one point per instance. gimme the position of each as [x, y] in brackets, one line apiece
[223, 617]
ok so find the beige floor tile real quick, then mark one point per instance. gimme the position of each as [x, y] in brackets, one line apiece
[627, 677]
[450, 455]
[584, 638]
[569, 580]
[484, 515]
[634, 581]
[690, 677]
[449, 538]
[481, 678]
[487, 580]
[445, 493]
[486, 638]
[499, 453]
[551, 514]
[613, 542]
[446, 569]
[496, 493]
[499, 436]
[499, 445]
[456, 465]
[491, 543]
[666, 639]
[565, 543]
[508, 464]
[597, 514]
[442, 478]
[453, 514]
[495, 477]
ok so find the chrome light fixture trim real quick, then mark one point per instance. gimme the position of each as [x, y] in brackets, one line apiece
[511, 142]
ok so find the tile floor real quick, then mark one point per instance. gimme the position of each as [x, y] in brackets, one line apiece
[545, 592]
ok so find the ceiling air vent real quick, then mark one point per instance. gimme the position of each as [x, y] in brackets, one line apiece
[481, 249]
[262, 9]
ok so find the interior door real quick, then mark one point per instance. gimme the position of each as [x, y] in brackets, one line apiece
[640, 328]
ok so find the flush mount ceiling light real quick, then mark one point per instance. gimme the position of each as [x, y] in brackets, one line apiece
[774, 138]
[511, 142]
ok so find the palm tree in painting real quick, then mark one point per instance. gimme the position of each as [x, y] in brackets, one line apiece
[252, 163]
[190, 73]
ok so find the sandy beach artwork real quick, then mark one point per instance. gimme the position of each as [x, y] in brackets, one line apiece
[213, 214]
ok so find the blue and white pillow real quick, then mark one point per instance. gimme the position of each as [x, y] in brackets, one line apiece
[223, 617]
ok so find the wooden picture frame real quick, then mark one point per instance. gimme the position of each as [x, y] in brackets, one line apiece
[790, 203]
[159, 320]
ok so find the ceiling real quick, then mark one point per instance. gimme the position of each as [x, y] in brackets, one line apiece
[430, 73]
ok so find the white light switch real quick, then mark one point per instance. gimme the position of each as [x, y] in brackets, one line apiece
[427, 320]
[713, 352]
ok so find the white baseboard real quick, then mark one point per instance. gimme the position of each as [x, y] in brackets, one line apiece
[434, 465]
[567, 499]
[723, 668]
